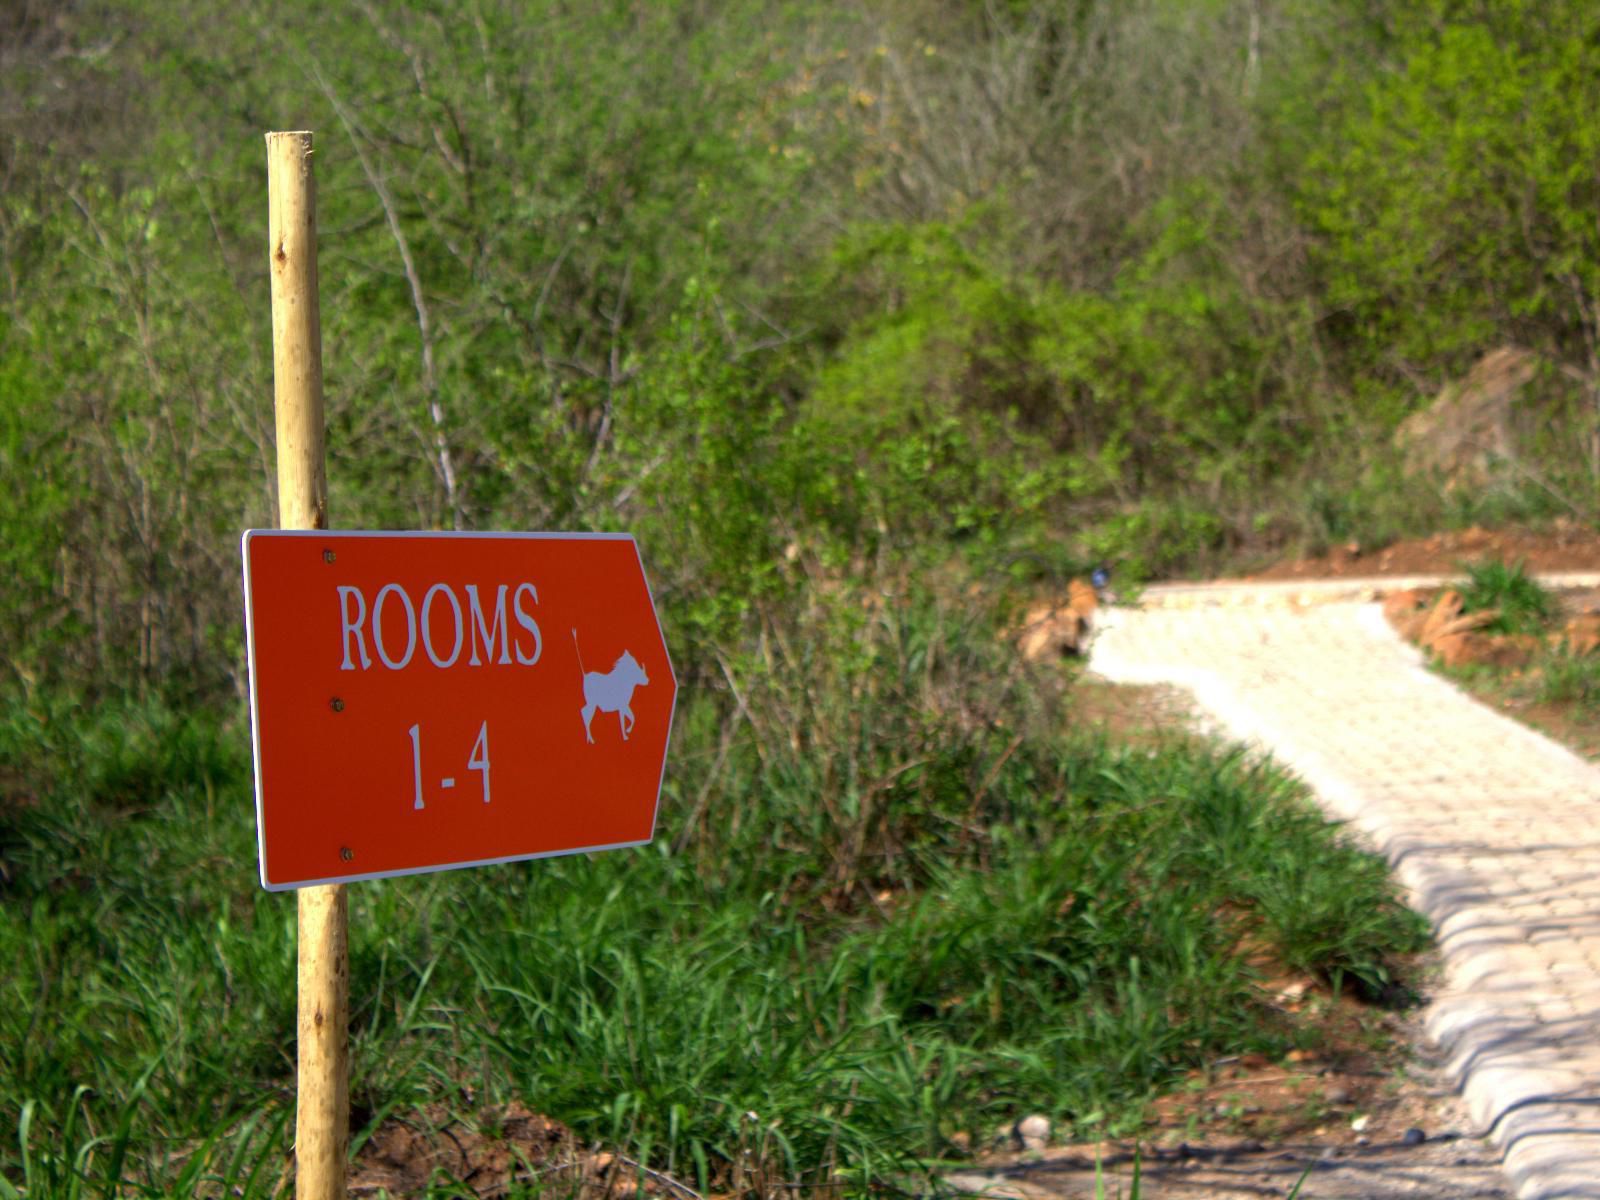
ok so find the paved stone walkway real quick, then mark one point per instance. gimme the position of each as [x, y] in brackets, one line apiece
[1493, 829]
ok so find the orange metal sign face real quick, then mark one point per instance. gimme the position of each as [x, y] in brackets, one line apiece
[422, 701]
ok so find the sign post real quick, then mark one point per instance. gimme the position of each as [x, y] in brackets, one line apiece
[421, 701]
[322, 1118]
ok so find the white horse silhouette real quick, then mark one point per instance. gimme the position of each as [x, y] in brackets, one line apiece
[611, 692]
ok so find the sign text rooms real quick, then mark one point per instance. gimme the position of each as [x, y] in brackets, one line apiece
[441, 624]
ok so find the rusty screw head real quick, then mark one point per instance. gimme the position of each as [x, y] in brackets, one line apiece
[328, 556]
[346, 853]
[337, 704]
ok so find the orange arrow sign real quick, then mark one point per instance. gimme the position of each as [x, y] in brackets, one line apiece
[422, 701]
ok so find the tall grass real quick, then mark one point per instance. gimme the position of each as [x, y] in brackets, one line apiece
[889, 904]
[1566, 678]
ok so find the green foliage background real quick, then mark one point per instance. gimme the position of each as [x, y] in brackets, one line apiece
[1142, 281]
[864, 318]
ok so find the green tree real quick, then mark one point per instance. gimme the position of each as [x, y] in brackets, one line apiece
[1455, 203]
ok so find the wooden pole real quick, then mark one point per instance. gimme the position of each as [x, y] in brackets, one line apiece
[296, 332]
[322, 1121]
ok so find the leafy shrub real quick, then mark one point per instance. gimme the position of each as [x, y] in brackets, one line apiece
[1452, 205]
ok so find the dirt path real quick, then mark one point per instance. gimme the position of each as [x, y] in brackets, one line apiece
[1493, 829]
[1449, 1168]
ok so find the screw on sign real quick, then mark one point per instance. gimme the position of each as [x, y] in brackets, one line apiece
[411, 710]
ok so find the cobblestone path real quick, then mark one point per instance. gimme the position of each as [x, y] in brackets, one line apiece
[1493, 829]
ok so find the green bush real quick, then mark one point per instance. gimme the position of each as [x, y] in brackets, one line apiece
[1453, 202]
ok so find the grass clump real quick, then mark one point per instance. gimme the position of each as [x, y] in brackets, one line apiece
[1524, 605]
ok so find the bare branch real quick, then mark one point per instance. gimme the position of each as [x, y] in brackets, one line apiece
[430, 383]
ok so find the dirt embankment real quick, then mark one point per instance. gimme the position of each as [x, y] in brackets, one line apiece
[1565, 546]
